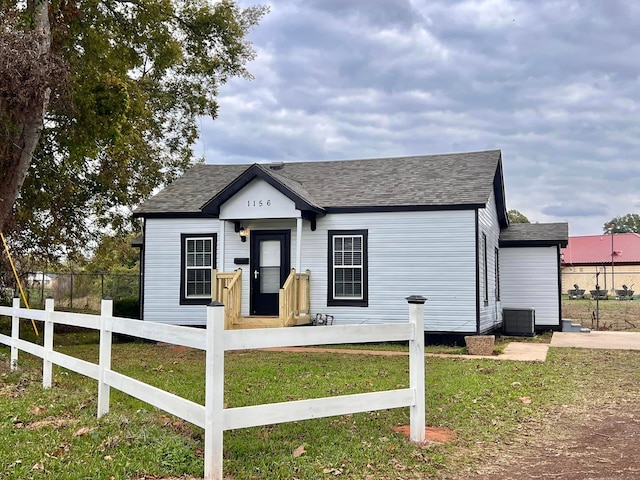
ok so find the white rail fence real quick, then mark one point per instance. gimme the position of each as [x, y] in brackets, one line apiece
[215, 340]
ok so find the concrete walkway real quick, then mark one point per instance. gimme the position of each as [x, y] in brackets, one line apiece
[515, 351]
[603, 340]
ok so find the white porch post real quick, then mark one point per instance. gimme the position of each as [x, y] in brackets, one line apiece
[222, 235]
[298, 244]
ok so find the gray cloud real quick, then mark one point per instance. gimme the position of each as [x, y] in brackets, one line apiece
[554, 84]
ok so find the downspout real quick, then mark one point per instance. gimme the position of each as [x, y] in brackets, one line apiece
[477, 273]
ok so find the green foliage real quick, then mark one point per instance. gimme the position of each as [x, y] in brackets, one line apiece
[128, 307]
[517, 217]
[115, 254]
[629, 223]
[140, 74]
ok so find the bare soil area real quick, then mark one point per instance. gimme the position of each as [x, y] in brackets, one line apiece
[595, 437]
[602, 446]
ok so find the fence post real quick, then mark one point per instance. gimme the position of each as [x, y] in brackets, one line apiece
[416, 368]
[15, 334]
[48, 344]
[104, 363]
[214, 392]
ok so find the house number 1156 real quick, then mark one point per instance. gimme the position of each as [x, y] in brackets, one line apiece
[258, 203]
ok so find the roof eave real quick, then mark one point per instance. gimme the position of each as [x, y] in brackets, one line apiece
[532, 243]
[498, 191]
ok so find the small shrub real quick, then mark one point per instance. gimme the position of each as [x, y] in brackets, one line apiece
[128, 307]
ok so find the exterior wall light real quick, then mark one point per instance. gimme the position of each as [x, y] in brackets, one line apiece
[243, 234]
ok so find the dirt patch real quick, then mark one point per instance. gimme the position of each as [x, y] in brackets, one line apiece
[432, 434]
[581, 447]
[147, 477]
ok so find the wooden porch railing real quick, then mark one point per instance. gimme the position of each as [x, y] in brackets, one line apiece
[295, 299]
[228, 291]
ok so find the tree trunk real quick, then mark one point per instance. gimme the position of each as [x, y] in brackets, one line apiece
[23, 134]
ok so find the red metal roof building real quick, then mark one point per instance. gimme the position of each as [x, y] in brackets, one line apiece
[597, 249]
[590, 260]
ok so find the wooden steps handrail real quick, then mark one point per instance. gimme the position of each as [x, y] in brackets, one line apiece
[294, 298]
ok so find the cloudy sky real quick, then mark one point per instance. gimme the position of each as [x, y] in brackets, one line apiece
[554, 84]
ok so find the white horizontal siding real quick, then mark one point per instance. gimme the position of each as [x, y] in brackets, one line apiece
[162, 270]
[235, 248]
[423, 253]
[489, 225]
[529, 279]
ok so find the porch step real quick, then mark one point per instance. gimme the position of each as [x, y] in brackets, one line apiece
[255, 321]
[569, 326]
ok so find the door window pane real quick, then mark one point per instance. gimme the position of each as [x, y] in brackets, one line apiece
[269, 266]
[269, 279]
[270, 253]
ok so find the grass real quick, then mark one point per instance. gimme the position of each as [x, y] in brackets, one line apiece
[55, 433]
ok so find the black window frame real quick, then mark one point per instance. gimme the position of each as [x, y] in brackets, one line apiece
[184, 299]
[497, 272]
[345, 302]
[485, 264]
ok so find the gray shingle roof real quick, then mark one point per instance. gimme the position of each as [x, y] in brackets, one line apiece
[429, 180]
[535, 233]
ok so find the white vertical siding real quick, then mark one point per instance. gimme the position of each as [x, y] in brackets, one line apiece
[162, 270]
[529, 279]
[489, 225]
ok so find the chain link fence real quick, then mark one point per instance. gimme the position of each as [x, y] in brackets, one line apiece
[615, 307]
[74, 291]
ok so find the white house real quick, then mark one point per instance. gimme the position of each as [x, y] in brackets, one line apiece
[369, 233]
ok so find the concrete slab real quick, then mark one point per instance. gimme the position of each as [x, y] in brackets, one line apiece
[525, 352]
[601, 340]
[515, 351]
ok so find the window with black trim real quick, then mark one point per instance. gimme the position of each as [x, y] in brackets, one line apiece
[497, 273]
[348, 270]
[485, 273]
[198, 257]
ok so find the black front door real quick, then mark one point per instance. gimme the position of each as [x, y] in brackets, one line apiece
[270, 263]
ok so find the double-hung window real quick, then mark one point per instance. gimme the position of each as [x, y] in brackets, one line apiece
[348, 271]
[198, 262]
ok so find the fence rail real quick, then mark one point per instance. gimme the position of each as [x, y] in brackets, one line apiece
[212, 416]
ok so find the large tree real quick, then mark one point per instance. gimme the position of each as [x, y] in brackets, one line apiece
[100, 102]
[629, 223]
[515, 216]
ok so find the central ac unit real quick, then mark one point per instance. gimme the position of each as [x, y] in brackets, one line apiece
[519, 322]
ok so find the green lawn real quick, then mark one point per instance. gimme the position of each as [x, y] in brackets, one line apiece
[54, 433]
